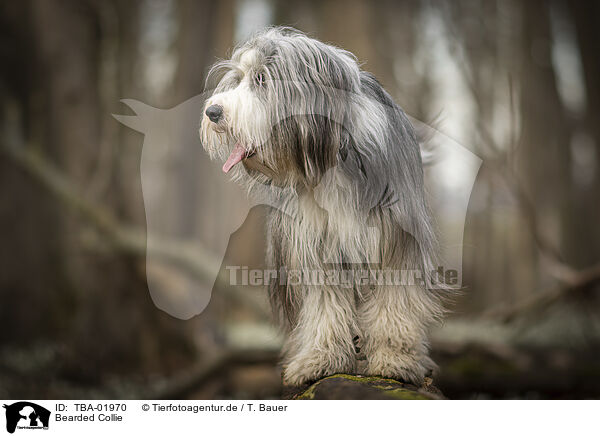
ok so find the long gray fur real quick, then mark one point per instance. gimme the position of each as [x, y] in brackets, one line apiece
[347, 155]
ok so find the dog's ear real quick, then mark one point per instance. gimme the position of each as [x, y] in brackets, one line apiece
[316, 146]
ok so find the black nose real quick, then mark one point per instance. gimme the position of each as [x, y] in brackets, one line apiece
[214, 113]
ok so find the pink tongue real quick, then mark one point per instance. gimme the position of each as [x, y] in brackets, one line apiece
[236, 156]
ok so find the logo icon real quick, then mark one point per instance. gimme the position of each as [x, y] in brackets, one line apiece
[170, 158]
[26, 415]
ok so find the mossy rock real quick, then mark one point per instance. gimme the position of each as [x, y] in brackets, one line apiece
[356, 387]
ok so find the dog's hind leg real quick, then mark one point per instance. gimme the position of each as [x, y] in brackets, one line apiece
[321, 342]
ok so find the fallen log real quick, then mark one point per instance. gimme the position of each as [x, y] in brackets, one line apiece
[358, 387]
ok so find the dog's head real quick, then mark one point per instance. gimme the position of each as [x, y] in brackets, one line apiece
[282, 107]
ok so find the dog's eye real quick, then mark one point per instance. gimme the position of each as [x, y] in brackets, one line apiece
[259, 79]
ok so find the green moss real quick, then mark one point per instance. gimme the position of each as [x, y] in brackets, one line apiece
[308, 394]
[388, 387]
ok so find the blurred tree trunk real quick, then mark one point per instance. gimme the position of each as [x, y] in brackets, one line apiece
[485, 39]
[395, 29]
[585, 249]
[206, 32]
[544, 156]
[29, 242]
[205, 35]
[95, 303]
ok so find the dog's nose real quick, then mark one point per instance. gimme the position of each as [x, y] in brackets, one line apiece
[214, 113]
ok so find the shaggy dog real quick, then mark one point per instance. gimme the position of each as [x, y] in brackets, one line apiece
[298, 118]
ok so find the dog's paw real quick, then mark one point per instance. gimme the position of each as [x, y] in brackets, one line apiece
[310, 367]
[391, 363]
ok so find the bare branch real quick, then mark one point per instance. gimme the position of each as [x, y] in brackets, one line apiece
[191, 257]
[581, 281]
[186, 383]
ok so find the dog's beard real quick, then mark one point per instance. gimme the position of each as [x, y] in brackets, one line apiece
[219, 141]
[250, 159]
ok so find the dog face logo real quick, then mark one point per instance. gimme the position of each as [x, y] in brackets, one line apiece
[284, 128]
[173, 161]
[26, 415]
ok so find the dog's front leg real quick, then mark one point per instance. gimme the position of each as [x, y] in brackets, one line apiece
[393, 322]
[320, 343]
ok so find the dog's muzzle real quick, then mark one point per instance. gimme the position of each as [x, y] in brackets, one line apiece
[240, 151]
